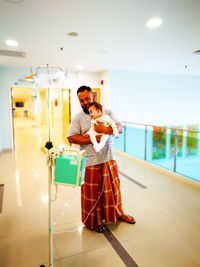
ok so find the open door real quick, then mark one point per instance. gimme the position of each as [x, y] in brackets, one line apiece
[97, 94]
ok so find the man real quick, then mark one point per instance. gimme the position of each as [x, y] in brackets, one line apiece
[100, 193]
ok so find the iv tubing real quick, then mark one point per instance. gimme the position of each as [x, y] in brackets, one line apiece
[73, 230]
[66, 205]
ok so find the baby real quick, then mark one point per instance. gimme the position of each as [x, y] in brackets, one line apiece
[95, 111]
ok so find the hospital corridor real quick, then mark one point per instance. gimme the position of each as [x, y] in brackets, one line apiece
[166, 210]
[99, 133]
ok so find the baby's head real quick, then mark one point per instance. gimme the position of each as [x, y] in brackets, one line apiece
[95, 110]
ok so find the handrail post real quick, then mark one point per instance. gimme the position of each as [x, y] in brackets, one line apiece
[175, 149]
[124, 137]
[145, 143]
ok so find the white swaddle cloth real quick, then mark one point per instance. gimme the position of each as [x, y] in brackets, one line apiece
[108, 122]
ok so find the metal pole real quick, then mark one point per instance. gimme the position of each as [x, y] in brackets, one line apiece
[50, 184]
[50, 210]
[49, 104]
[175, 150]
[49, 108]
[145, 143]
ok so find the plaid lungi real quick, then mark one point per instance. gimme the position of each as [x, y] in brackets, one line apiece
[100, 194]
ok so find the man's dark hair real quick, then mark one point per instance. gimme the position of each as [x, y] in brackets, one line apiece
[97, 106]
[83, 88]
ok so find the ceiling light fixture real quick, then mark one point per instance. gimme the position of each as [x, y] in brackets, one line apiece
[44, 199]
[11, 42]
[153, 23]
[79, 67]
[72, 34]
[102, 52]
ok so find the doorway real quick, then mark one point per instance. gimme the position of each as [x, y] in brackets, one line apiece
[30, 116]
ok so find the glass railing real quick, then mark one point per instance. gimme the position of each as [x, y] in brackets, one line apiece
[173, 148]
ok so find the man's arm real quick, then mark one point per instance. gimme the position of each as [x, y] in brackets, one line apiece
[81, 139]
[74, 135]
[101, 128]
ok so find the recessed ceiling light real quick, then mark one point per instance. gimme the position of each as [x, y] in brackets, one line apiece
[102, 52]
[11, 42]
[44, 199]
[72, 34]
[79, 67]
[153, 23]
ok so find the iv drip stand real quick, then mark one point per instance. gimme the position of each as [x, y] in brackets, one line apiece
[50, 162]
[49, 146]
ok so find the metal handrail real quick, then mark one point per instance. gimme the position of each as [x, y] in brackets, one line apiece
[167, 127]
[145, 137]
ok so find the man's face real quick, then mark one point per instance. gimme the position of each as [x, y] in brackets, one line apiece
[85, 98]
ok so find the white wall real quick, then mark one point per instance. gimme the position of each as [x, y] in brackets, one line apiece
[151, 98]
[5, 108]
[1, 114]
[104, 89]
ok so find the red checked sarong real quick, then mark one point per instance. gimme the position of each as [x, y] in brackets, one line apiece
[109, 205]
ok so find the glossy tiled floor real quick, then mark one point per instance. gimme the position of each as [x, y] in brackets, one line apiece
[167, 232]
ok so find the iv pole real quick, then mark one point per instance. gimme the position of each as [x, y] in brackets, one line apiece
[51, 156]
[49, 145]
[50, 159]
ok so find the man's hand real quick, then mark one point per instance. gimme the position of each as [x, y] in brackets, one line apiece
[98, 138]
[101, 128]
[119, 128]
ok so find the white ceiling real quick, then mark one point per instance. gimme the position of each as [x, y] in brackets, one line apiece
[115, 26]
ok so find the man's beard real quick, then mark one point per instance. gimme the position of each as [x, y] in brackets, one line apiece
[86, 111]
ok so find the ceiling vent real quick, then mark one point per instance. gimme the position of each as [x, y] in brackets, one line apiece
[12, 53]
